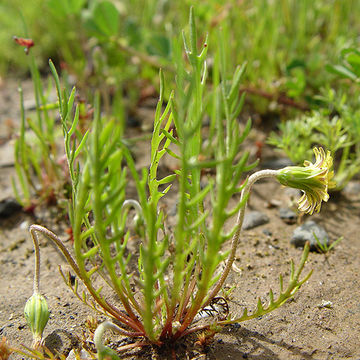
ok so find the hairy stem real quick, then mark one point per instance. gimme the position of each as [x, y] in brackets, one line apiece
[240, 219]
[102, 302]
[37, 260]
[105, 352]
[108, 325]
[38, 228]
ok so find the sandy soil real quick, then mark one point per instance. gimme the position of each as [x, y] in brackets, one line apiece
[302, 329]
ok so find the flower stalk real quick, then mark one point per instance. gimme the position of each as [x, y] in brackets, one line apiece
[312, 179]
[239, 222]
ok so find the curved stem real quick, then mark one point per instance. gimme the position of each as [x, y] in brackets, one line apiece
[137, 207]
[108, 325]
[132, 203]
[104, 351]
[102, 302]
[49, 234]
[239, 222]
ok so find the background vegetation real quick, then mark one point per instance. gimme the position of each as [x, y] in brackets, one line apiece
[302, 59]
[286, 43]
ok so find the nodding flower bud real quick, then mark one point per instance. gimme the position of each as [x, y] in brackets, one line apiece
[37, 315]
[313, 180]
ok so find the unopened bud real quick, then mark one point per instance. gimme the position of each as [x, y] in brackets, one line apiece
[37, 315]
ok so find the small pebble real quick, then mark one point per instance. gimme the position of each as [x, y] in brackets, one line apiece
[24, 225]
[9, 207]
[61, 342]
[305, 232]
[267, 232]
[253, 219]
[287, 215]
[83, 355]
[325, 304]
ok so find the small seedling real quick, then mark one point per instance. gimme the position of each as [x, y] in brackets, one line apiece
[324, 247]
[40, 174]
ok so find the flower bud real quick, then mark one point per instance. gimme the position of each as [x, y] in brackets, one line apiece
[37, 315]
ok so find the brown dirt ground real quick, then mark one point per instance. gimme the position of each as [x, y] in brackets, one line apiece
[301, 329]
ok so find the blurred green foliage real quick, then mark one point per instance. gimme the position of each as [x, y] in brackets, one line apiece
[286, 42]
[118, 46]
[335, 125]
[350, 65]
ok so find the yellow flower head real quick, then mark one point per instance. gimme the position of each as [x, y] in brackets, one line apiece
[313, 180]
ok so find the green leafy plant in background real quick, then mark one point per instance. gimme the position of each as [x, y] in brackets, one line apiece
[40, 172]
[127, 35]
[176, 275]
[335, 125]
[117, 47]
[65, 24]
[350, 65]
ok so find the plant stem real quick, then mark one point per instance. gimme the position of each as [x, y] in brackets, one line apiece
[37, 260]
[104, 352]
[137, 207]
[108, 325]
[38, 228]
[117, 314]
[132, 203]
[239, 222]
[279, 98]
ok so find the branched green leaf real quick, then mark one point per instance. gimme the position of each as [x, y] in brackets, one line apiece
[293, 285]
